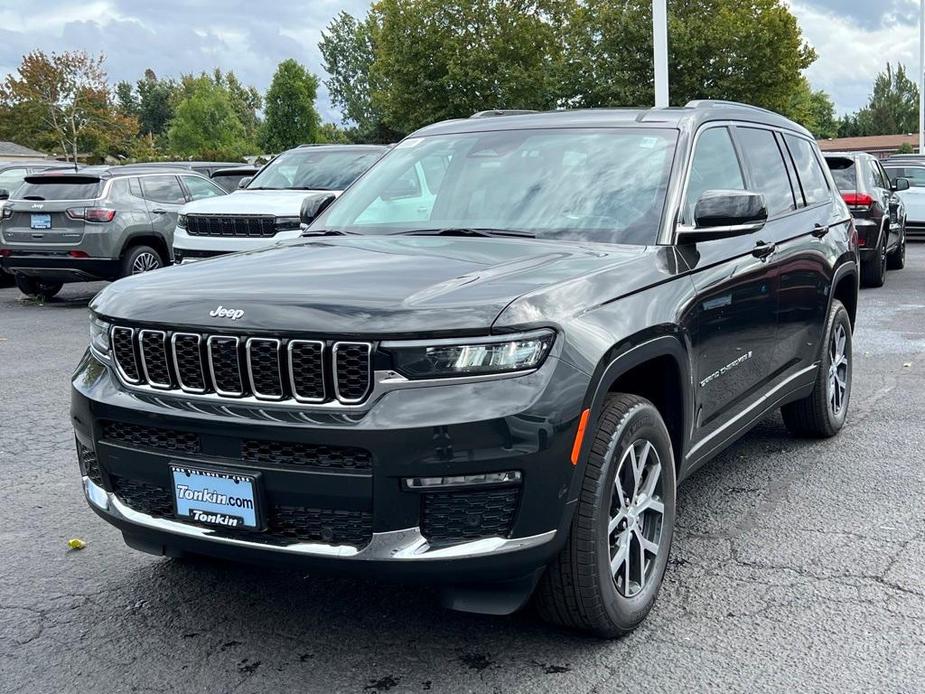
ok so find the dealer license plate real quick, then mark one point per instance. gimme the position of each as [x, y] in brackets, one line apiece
[216, 498]
[41, 221]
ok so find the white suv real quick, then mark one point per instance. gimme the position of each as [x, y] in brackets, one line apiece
[267, 209]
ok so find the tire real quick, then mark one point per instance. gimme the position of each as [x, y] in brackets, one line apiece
[873, 271]
[140, 259]
[6, 279]
[897, 259]
[822, 413]
[579, 590]
[37, 287]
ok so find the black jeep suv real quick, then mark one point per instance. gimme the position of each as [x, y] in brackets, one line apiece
[498, 387]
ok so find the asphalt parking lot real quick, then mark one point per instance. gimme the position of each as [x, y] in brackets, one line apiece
[797, 565]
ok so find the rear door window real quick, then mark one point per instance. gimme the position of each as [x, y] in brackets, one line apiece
[715, 166]
[812, 179]
[768, 171]
[164, 189]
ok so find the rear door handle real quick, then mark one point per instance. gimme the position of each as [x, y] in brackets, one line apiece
[820, 230]
[158, 210]
[763, 250]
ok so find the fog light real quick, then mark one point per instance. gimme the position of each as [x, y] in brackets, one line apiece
[483, 479]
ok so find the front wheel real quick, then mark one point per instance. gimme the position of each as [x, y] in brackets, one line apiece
[607, 577]
[822, 413]
[897, 259]
[37, 287]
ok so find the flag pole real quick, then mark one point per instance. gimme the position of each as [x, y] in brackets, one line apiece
[922, 77]
[660, 51]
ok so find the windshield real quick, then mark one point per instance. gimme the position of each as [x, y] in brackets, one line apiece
[314, 169]
[605, 185]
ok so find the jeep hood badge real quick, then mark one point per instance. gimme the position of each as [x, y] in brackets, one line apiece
[222, 312]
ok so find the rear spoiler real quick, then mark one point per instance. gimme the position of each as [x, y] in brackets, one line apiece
[60, 177]
[238, 171]
[839, 162]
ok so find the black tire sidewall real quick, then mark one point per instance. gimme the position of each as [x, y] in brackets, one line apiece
[133, 253]
[839, 316]
[643, 421]
[37, 287]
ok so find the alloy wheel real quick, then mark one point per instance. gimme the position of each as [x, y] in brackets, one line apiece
[636, 513]
[838, 369]
[145, 262]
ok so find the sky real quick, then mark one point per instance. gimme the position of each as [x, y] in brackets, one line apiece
[853, 38]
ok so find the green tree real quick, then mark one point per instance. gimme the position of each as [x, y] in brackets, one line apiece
[438, 59]
[905, 148]
[893, 106]
[291, 117]
[205, 124]
[813, 109]
[750, 51]
[155, 103]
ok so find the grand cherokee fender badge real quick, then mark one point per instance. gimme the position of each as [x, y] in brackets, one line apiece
[222, 312]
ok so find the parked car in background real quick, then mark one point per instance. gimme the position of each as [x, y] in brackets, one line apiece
[100, 223]
[235, 177]
[12, 173]
[914, 198]
[267, 209]
[879, 213]
[497, 393]
[206, 168]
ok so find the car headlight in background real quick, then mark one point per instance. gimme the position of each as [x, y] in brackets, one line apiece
[181, 221]
[99, 336]
[475, 357]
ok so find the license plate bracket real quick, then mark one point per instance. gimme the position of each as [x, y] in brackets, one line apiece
[216, 497]
[40, 221]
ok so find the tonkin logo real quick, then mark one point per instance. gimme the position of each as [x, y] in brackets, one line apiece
[222, 312]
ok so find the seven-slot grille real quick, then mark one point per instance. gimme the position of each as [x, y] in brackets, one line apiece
[244, 226]
[272, 369]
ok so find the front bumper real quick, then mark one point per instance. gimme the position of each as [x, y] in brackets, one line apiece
[60, 267]
[512, 424]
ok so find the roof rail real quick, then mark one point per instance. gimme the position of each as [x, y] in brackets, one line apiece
[706, 103]
[502, 112]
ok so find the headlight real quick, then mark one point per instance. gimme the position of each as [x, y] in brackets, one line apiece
[99, 335]
[181, 221]
[287, 223]
[479, 356]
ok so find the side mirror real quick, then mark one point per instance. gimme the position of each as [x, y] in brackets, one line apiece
[900, 184]
[244, 181]
[721, 214]
[314, 205]
[4, 194]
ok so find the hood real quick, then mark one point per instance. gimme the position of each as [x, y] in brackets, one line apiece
[914, 201]
[355, 286]
[276, 202]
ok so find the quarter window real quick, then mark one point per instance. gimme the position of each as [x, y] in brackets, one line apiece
[769, 173]
[163, 189]
[715, 167]
[812, 180]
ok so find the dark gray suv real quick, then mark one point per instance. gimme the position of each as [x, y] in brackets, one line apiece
[99, 223]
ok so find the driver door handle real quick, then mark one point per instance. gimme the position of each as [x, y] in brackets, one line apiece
[820, 230]
[763, 250]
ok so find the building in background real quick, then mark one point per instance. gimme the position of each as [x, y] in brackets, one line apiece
[881, 146]
[10, 151]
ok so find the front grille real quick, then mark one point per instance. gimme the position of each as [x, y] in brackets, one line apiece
[138, 436]
[306, 371]
[239, 226]
[305, 455]
[450, 517]
[286, 525]
[89, 464]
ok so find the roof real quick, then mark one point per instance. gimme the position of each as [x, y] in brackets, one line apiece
[343, 148]
[683, 117]
[876, 143]
[107, 172]
[12, 149]
[185, 164]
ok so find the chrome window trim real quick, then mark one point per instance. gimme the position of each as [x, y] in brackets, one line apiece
[279, 368]
[292, 386]
[144, 359]
[237, 346]
[176, 365]
[115, 360]
[335, 369]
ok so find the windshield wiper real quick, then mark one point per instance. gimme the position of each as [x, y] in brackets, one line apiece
[324, 232]
[470, 231]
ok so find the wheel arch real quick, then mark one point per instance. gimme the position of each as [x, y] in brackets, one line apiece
[845, 288]
[147, 239]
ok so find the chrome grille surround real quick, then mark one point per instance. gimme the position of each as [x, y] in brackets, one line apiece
[257, 368]
[234, 368]
[182, 368]
[158, 359]
[295, 383]
[352, 363]
[128, 370]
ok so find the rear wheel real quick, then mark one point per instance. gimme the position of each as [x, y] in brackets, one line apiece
[6, 279]
[607, 577]
[37, 287]
[141, 259]
[873, 271]
[822, 413]
[897, 259]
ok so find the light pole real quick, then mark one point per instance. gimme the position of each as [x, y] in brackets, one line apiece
[660, 51]
[922, 77]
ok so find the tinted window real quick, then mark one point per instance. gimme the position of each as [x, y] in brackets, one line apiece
[601, 185]
[844, 172]
[60, 188]
[200, 188]
[769, 174]
[812, 179]
[715, 167]
[11, 179]
[163, 189]
[314, 169]
[915, 174]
